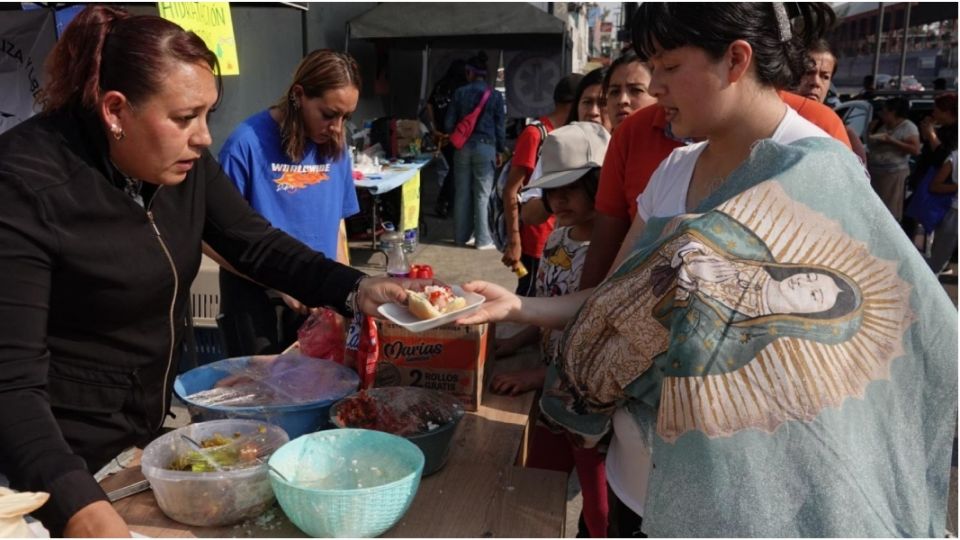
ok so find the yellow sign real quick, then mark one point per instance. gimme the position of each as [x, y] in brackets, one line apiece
[211, 21]
[411, 204]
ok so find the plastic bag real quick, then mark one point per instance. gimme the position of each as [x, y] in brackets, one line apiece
[323, 336]
[363, 349]
[13, 507]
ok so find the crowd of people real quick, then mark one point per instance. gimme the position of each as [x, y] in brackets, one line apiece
[727, 309]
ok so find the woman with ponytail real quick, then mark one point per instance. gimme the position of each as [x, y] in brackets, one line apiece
[292, 164]
[105, 200]
[822, 413]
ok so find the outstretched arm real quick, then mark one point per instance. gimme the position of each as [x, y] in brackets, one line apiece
[502, 305]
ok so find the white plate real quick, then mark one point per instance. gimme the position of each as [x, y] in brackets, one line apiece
[400, 315]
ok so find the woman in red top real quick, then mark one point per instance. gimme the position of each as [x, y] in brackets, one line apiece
[626, 88]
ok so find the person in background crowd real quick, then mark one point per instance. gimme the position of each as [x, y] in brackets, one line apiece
[655, 356]
[590, 101]
[474, 164]
[945, 237]
[815, 85]
[292, 164]
[436, 111]
[938, 132]
[525, 242]
[534, 209]
[571, 160]
[869, 90]
[892, 141]
[626, 87]
[105, 198]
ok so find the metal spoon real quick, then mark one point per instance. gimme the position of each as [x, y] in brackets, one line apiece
[278, 473]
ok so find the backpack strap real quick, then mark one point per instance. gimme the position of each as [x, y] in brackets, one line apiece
[543, 135]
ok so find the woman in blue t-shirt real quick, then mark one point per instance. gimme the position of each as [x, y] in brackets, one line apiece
[290, 163]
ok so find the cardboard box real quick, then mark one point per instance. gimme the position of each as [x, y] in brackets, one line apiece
[408, 129]
[450, 358]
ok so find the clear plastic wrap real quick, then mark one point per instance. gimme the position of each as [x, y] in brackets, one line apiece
[277, 381]
[400, 410]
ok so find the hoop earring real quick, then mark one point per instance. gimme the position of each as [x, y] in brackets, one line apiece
[117, 132]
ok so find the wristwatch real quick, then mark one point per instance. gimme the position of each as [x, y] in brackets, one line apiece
[352, 303]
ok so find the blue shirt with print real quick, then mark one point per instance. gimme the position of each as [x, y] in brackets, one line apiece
[306, 200]
[490, 125]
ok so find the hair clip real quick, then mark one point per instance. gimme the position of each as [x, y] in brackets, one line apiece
[783, 21]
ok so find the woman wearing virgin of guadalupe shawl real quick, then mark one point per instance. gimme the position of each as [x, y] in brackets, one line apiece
[761, 355]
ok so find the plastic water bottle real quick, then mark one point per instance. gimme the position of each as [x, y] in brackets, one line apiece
[391, 242]
[410, 240]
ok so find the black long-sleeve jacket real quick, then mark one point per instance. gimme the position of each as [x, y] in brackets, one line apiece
[93, 291]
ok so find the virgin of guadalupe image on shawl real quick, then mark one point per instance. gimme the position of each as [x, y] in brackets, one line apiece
[774, 350]
[728, 301]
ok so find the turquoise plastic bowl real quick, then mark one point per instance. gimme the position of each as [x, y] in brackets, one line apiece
[346, 482]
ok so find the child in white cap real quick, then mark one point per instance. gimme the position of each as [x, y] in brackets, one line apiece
[571, 160]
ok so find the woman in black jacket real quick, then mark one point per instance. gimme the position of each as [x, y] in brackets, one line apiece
[105, 199]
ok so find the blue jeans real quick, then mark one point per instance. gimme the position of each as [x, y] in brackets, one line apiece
[473, 170]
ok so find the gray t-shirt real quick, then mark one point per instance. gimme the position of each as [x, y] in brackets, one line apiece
[887, 156]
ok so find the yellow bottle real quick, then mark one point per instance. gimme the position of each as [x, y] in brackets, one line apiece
[520, 270]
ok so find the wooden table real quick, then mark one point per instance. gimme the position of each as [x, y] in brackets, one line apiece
[481, 492]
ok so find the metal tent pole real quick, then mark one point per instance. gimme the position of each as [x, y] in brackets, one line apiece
[903, 46]
[424, 73]
[876, 56]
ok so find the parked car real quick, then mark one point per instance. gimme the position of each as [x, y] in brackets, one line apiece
[910, 84]
[858, 114]
[882, 81]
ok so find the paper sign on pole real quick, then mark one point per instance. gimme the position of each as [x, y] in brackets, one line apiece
[211, 21]
[411, 204]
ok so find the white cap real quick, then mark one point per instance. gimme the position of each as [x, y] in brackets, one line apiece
[570, 152]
